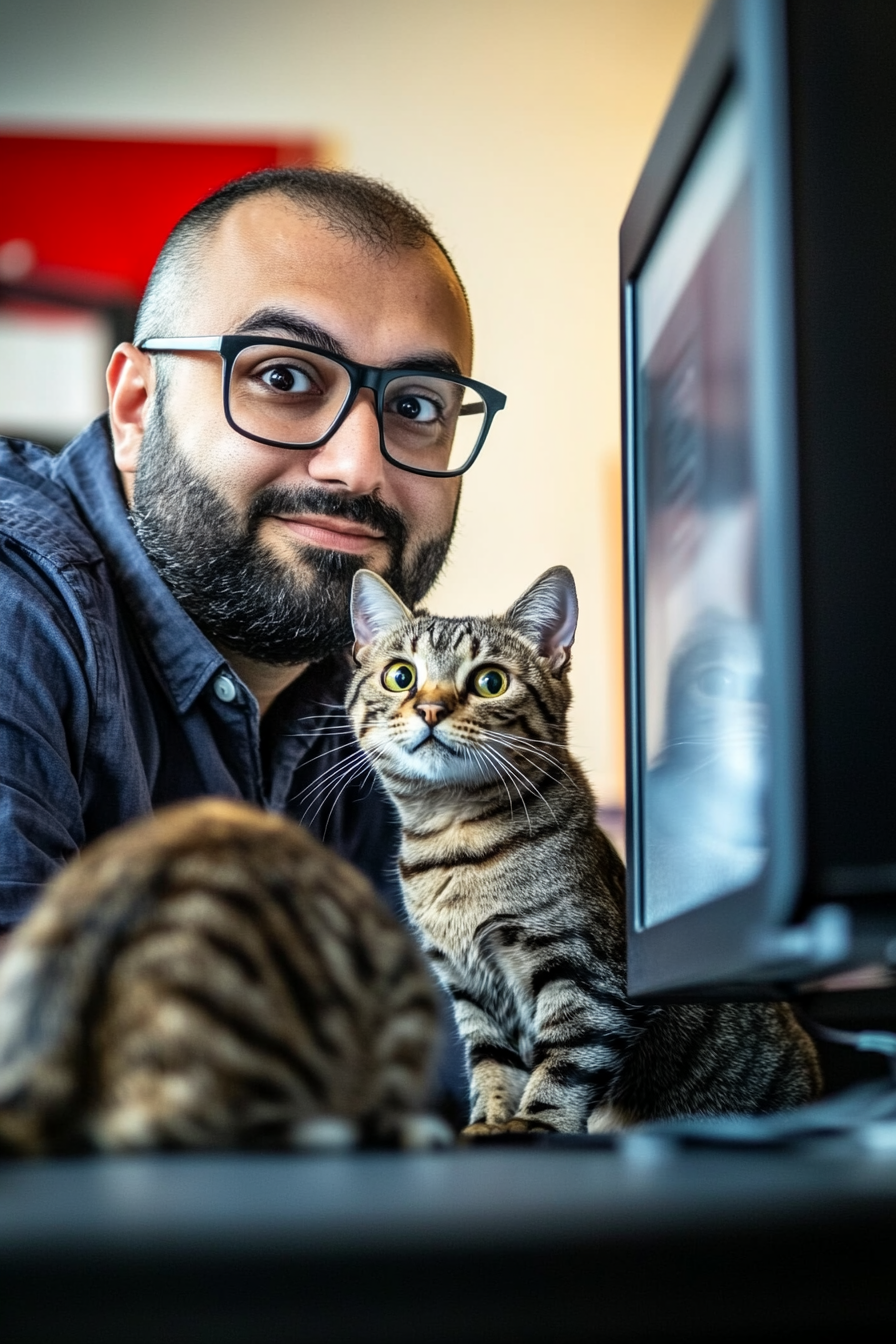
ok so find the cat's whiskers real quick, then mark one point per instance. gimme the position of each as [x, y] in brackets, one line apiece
[324, 732]
[333, 769]
[719, 756]
[329, 752]
[522, 748]
[332, 773]
[499, 761]
[533, 788]
[328, 704]
[317, 734]
[516, 776]
[535, 741]
[469, 751]
[336, 711]
[358, 770]
[337, 781]
[341, 772]
[331, 714]
[541, 774]
[515, 754]
[732, 737]
[718, 745]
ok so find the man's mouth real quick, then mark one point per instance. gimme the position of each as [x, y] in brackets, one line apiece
[334, 534]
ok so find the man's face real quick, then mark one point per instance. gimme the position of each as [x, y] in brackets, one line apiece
[260, 543]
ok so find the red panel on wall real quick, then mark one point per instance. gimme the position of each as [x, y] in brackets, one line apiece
[106, 206]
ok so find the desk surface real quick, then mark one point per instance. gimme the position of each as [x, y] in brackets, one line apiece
[546, 1245]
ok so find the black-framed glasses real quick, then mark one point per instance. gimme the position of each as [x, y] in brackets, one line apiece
[292, 395]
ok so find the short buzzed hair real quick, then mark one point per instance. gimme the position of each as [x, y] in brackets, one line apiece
[360, 208]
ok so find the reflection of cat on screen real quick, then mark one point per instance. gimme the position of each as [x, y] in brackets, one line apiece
[705, 792]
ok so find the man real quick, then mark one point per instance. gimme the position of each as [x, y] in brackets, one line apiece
[174, 587]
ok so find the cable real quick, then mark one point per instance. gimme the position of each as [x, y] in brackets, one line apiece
[875, 1042]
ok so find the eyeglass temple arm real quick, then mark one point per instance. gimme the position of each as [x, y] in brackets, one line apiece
[163, 344]
[472, 408]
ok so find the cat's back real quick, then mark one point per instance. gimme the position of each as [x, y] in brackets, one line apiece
[210, 976]
[717, 1059]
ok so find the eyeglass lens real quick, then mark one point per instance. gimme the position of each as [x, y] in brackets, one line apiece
[295, 396]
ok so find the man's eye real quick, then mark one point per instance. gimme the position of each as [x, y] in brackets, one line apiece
[399, 677]
[288, 378]
[413, 406]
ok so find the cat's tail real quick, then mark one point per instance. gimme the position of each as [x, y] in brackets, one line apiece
[52, 983]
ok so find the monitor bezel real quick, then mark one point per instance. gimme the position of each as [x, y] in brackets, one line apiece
[729, 945]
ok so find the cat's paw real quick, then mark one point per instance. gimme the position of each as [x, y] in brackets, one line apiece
[515, 1127]
[325, 1133]
[424, 1131]
[412, 1131]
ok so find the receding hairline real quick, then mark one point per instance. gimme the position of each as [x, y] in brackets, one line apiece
[364, 211]
[374, 246]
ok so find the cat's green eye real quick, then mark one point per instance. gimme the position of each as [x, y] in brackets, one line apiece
[399, 677]
[489, 682]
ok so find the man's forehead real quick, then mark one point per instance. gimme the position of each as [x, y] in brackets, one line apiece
[268, 253]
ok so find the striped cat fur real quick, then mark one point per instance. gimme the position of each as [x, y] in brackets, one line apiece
[517, 894]
[212, 977]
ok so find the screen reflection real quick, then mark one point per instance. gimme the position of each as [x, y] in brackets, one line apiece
[705, 743]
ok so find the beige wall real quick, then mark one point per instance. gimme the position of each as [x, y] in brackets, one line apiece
[521, 127]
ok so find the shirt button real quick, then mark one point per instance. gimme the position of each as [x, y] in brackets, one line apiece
[224, 689]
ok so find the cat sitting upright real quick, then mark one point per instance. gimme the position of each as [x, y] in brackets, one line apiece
[518, 895]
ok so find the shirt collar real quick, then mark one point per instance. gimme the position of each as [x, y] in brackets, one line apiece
[184, 659]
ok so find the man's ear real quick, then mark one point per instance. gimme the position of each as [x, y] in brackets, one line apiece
[130, 381]
[375, 609]
[547, 614]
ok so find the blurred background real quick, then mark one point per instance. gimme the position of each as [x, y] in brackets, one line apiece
[519, 127]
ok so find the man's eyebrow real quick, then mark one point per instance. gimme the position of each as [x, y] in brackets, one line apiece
[428, 361]
[282, 322]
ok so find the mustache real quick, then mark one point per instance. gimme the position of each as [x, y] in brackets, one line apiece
[366, 510]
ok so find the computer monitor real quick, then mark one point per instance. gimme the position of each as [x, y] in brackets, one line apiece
[758, 260]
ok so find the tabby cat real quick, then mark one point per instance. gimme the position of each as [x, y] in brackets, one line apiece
[518, 895]
[212, 977]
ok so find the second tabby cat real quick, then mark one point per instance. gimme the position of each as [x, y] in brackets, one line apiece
[518, 895]
[212, 977]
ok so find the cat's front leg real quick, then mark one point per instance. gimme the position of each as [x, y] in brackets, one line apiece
[488, 1028]
[582, 1036]
[498, 1079]
[498, 1076]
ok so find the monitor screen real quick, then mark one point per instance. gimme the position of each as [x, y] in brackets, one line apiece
[704, 741]
[756, 287]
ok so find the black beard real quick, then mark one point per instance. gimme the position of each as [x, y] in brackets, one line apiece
[243, 597]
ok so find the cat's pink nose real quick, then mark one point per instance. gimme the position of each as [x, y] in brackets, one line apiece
[432, 712]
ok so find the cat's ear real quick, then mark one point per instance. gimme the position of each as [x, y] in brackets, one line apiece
[375, 608]
[547, 614]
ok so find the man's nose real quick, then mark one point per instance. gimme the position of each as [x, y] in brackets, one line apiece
[352, 459]
[431, 711]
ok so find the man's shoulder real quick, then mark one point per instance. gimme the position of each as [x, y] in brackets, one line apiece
[54, 579]
[37, 511]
